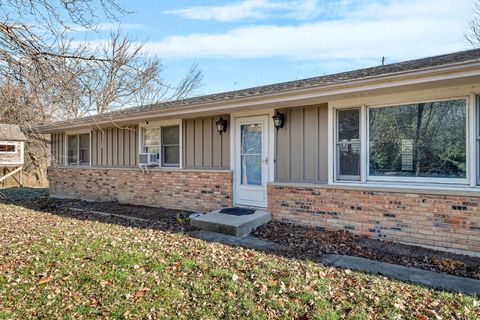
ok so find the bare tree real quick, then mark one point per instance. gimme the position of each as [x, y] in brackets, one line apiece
[472, 35]
[47, 74]
[124, 76]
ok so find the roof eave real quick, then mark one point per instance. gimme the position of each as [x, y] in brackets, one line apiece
[437, 73]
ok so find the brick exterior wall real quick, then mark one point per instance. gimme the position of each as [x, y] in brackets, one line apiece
[441, 221]
[179, 189]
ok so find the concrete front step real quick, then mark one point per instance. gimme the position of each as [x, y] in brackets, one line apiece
[238, 226]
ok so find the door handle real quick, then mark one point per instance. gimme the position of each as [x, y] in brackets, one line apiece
[265, 160]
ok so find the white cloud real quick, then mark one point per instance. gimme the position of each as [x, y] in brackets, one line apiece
[397, 29]
[248, 9]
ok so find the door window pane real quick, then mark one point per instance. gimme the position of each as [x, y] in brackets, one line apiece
[348, 144]
[418, 140]
[251, 169]
[251, 136]
[251, 154]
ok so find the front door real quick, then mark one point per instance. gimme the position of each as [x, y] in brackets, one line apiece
[251, 161]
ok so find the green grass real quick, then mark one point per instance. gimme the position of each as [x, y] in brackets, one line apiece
[61, 268]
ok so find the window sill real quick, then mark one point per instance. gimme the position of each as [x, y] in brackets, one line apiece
[390, 187]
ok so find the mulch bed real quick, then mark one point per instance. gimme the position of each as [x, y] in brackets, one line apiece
[156, 218]
[311, 244]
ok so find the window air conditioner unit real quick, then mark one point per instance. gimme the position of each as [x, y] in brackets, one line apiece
[147, 159]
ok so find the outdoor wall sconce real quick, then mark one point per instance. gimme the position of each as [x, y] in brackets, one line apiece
[278, 120]
[221, 125]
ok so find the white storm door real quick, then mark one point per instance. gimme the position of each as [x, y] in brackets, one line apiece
[251, 161]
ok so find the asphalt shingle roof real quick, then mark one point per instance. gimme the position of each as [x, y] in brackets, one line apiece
[315, 82]
[11, 132]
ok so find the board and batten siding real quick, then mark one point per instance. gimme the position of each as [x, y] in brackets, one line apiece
[203, 146]
[301, 146]
[57, 148]
[115, 147]
[112, 147]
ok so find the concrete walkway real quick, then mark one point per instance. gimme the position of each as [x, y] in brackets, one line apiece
[394, 271]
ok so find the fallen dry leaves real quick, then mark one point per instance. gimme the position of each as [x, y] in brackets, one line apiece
[67, 266]
[312, 244]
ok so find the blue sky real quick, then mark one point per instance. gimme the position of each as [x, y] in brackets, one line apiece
[246, 43]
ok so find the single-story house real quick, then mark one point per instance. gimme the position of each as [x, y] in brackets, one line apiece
[390, 151]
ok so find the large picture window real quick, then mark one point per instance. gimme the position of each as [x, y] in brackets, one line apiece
[348, 144]
[415, 142]
[78, 146]
[426, 140]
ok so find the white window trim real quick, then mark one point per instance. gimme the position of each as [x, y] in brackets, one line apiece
[365, 178]
[158, 125]
[339, 177]
[9, 144]
[65, 142]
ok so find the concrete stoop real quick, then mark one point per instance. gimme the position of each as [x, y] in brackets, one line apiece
[238, 226]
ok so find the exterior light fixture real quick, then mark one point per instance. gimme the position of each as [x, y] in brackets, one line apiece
[221, 125]
[278, 120]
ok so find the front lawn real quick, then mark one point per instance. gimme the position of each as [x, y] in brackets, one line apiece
[54, 266]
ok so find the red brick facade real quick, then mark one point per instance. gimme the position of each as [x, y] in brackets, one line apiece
[180, 189]
[442, 221]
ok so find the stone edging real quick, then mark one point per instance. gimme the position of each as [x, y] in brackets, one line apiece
[394, 271]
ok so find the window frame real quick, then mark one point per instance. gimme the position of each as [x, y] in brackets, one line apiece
[339, 177]
[78, 134]
[15, 149]
[160, 125]
[162, 148]
[143, 146]
[365, 176]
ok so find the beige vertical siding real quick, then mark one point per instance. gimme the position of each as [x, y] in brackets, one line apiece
[116, 147]
[57, 148]
[301, 145]
[109, 147]
[203, 146]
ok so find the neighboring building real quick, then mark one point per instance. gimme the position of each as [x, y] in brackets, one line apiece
[391, 152]
[12, 142]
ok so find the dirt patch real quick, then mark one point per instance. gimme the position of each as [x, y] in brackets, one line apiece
[312, 244]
